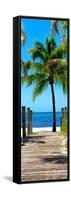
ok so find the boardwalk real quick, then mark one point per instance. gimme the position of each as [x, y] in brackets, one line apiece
[43, 158]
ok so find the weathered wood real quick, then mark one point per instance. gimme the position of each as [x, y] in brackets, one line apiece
[43, 158]
[28, 128]
[30, 121]
[63, 116]
[62, 113]
[24, 120]
[65, 112]
[61, 122]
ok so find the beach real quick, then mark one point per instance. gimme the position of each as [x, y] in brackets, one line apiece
[42, 122]
[41, 130]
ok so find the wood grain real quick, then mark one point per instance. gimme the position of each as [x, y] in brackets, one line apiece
[43, 157]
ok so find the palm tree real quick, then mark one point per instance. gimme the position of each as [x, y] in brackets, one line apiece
[60, 27]
[51, 68]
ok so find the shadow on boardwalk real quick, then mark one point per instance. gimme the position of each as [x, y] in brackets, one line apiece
[56, 159]
[33, 139]
[43, 158]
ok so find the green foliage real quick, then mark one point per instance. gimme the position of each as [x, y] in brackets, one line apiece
[64, 127]
[39, 88]
[60, 27]
[52, 63]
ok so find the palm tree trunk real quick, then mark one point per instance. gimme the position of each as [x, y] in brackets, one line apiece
[54, 112]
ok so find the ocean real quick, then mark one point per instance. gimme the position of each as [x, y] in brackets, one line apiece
[43, 119]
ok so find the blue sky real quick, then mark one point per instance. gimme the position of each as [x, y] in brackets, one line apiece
[38, 30]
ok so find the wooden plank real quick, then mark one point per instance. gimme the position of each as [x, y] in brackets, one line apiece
[42, 158]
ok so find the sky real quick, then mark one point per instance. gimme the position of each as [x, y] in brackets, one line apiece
[38, 30]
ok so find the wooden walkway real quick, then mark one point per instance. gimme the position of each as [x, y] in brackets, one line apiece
[43, 158]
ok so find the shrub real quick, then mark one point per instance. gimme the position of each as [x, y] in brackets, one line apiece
[64, 127]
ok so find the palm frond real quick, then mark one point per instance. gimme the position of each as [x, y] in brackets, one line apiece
[50, 44]
[39, 52]
[60, 75]
[36, 65]
[39, 88]
[54, 26]
[52, 63]
[36, 53]
[25, 66]
[46, 42]
[39, 46]
[58, 52]
[32, 78]
[55, 64]
[23, 79]
[62, 80]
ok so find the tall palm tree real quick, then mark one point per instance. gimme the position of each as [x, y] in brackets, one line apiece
[51, 68]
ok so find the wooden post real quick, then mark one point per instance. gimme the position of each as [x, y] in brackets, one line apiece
[62, 113]
[61, 122]
[65, 112]
[28, 128]
[24, 120]
[62, 117]
[31, 121]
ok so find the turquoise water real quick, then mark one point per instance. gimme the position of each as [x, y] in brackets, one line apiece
[44, 119]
